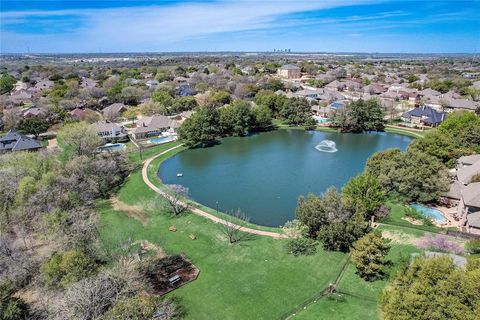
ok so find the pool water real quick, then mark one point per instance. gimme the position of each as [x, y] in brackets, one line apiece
[429, 212]
[161, 140]
[321, 119]
[111, 147]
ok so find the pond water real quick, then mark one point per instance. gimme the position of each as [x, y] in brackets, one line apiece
[264, 174]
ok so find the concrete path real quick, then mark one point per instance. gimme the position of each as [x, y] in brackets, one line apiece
[197, 211]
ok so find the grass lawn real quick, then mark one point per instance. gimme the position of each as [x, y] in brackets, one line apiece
[397, 212]
[254, 279]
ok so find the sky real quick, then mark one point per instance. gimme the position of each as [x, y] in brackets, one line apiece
[383, 26]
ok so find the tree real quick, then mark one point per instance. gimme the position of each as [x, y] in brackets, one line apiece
[33, 126]
[68, 267]
[339, 234]
[183, 104]
[231, 227]
[296, 111]
[78, 138]
[359, 116]
[314, 211]
[363, 190]
[434, 289]
[176, 205]
[7, 83]
[162, 97]
[141, 307]
[236, 118]
[221, 98]
[271, 100]
[262, 118]
[413, 175]
[200, 129]
[368, 255]
[89, 298]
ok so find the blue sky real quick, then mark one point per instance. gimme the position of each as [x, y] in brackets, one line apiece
[50, 26]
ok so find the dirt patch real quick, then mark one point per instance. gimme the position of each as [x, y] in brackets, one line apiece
[413, 221]
[146, 246]
[400, 237]
[136, 212]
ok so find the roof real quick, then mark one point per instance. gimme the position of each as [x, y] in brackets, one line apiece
[289, 67]
[462, 104]
[465, 174]
[474, 219]
[429, 115]
[102, 126]
[429, 92]
[115, 108]
[469, 160]
[14, 141]
[154, 123]
[337, 105]
[471, 194]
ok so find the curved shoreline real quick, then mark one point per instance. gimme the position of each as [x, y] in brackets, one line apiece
[197, 211]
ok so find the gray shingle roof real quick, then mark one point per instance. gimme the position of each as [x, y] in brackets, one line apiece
[431, 116]
[14, 141]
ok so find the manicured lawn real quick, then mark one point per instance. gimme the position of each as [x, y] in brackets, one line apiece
[254, 279]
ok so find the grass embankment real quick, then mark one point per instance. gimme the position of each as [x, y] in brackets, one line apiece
[254, 279]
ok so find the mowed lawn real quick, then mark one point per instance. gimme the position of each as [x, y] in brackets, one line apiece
[254, 279]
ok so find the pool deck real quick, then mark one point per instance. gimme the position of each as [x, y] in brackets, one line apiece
[197, 211]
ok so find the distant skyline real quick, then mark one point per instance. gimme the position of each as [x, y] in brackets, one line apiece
[388, 26]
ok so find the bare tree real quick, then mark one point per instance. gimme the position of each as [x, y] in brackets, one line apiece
[89, 298]
[231, 227]
[176, 205]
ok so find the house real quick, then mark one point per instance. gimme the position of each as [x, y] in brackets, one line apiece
[185, 90]
[34, 112]
[336, 85]
[424, 116]
[337, 105]
[154, 126]
[88, 83]
[289, 71]
[14, 141]
[110, 131]
[465, 191]
[44, 84]
[113, 111]
[81, 114]
[461, 104]
[21, 97]
[183, 116]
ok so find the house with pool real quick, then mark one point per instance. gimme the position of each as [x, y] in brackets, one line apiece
[465, 192]
[110, 131]
[153, 126]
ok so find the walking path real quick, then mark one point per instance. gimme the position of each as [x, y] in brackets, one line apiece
[197, 211]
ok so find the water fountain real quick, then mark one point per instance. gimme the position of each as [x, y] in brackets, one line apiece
[327, 146]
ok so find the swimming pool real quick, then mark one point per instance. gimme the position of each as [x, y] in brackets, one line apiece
[429, 212]
[161, 140]
[321, 119]
[111, 147]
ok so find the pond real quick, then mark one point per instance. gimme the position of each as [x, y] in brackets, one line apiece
[264, 174]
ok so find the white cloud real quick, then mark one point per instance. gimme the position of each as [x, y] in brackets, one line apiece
[152, 28]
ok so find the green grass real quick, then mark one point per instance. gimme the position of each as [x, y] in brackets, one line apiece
[405, 131]
[397, 212]
[254, 279]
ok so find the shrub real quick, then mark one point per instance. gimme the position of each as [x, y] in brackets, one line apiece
[473, 246]
[11, 307]
[301, 246]
[68, 267]
[441, 243]
[143, 307]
